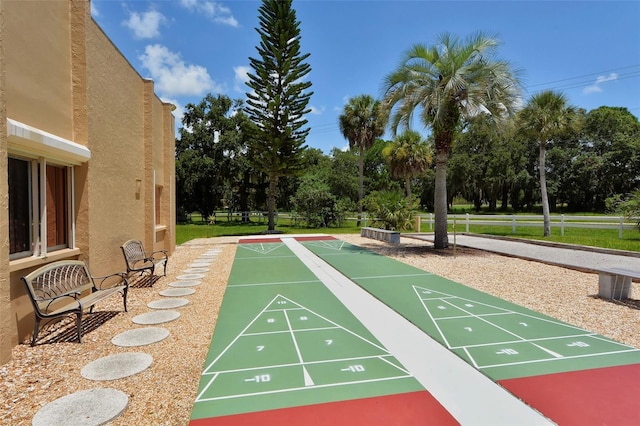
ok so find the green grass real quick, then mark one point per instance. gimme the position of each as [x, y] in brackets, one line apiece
[604, 238]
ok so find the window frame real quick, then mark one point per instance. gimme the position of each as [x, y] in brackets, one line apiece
[38, 207]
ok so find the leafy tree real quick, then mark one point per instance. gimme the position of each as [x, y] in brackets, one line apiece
[408, 156]
[315, 202]
[446, 82]
[361, 123]
[343, 181]
[279, 97]
[210, 155]
[546, 116]
[628, 206]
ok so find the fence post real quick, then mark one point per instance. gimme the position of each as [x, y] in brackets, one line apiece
[467, 228]
[621, 227]
[365, 218]
[418, 223]
[562, 224]
[513, 224]
[430, 221]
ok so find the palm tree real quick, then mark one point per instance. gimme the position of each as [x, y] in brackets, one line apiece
[408, 156]
[445, 83]
[361, 123]
[546, 116]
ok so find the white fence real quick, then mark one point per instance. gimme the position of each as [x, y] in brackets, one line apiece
[557, 221]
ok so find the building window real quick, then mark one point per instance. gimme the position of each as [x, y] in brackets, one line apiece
[19, 207]
[39, 208]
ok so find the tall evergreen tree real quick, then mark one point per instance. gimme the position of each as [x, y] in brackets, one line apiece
[279, 97]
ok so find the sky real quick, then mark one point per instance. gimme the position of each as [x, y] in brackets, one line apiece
[588, 50]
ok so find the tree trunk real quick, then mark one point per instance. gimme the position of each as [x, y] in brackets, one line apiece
[360, 184]
[271, 201]
[441, 239]
[543, 189]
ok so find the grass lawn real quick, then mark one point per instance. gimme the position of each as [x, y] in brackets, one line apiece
[605, 238]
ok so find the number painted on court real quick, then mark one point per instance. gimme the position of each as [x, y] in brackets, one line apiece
[259, 379]
[354, 368]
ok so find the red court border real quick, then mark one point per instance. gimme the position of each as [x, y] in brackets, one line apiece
[259, 240]
[406, 409]
[601, 396]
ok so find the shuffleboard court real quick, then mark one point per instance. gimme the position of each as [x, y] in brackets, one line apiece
[538, 358]
[285, 348]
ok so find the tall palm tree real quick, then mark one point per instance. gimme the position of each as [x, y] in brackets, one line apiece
[361, 123]
[408, 156]
[444, 83]
[547, 115]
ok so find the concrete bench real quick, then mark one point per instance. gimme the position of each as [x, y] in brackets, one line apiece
[392, 237]
[67, 288]
[615, 283]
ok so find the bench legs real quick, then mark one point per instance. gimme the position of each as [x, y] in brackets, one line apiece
[36, 330]
[615, 287]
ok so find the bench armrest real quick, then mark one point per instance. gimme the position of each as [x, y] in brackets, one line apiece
[100, 281]
[152, 255]
[73, 295]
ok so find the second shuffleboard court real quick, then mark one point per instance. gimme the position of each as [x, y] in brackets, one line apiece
[283, 340]
[503, 340]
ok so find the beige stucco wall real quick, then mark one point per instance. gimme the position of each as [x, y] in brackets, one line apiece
[38, 72]
[79, 87]
[5, 299]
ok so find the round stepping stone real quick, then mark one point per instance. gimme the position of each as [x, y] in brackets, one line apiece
[157, 317]
[140, 336]
[117, 366]
[199, 265]
[209, 255]
[190, 276]
[186, 283]
[195, 270]
[167, 303]
[177, 292]
[207, 260]
[85, 408]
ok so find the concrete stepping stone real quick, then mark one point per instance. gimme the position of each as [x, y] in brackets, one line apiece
[157, 317]
[167, 303]
[195, 270]
[209, 255]
[117, 366]
[140, 336]
[207, 260]
[190, 276]
[84, 408]
[177, 292]
[200, 264]
[185, 283]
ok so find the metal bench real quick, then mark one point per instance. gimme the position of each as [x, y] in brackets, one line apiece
[139, 261]
[67, 288]
[615, 283]
[392, 237]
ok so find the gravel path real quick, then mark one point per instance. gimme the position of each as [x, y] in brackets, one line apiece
[164, 393]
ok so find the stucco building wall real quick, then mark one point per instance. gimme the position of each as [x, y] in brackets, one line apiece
[61, 76]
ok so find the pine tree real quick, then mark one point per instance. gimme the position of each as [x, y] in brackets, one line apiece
[279, 97]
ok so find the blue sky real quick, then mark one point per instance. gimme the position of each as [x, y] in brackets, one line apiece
[589, 50]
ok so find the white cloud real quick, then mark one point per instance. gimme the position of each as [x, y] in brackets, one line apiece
[145, 24]
[316, 111]
[212, 10]
[95, 13]
[173, 77]
[595, 87]
[241, 77]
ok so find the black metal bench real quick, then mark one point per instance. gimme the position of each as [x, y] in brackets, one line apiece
[67, 288]
[139, 261]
